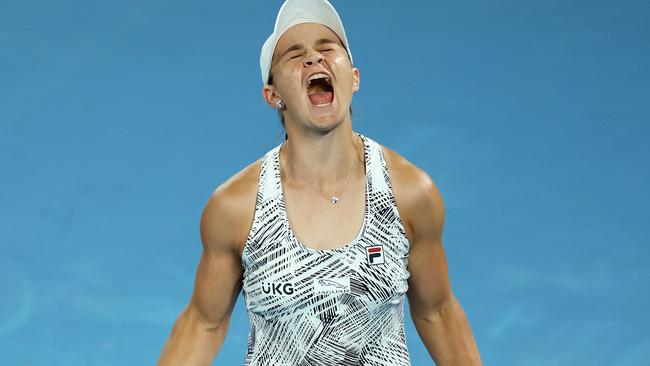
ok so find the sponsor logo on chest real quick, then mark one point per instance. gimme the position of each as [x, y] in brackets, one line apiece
[375, 254]
[277, 288]
[333, 285]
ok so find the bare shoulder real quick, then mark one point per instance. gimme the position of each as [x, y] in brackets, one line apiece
[418, 198]
[228, 213]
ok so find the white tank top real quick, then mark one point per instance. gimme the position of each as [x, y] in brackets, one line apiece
[340, 306]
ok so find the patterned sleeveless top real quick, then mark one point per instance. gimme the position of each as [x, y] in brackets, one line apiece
[341, 306]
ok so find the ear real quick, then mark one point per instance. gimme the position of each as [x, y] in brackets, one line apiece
[355, 80]
[270, 95]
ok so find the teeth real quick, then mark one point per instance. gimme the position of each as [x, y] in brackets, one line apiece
[319, 75]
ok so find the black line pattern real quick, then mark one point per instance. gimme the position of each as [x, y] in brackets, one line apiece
[310, 307]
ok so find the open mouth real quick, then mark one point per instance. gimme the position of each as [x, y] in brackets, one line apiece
[320, 90]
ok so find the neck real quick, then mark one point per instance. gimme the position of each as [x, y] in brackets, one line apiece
[323, 158]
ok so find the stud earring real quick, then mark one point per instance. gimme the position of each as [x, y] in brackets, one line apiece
[279, 104]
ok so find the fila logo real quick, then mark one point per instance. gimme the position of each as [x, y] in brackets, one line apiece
[375, 254]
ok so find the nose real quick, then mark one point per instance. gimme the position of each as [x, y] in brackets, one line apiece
[312, 59]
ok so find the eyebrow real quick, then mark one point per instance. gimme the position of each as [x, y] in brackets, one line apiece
[299, 46]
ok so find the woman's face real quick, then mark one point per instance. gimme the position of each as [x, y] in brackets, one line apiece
[313, 76]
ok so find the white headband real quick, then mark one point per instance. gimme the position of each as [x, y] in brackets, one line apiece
[295, 12]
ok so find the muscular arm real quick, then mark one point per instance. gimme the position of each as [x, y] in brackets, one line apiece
[437, 315]
[200, 329]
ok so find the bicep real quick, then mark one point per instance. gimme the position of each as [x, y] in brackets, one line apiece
[219, 272]
[216, 287]
[429, 286]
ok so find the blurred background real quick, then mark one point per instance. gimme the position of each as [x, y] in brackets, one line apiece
[118, 119]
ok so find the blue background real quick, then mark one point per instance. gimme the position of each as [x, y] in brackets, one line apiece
[118, 119]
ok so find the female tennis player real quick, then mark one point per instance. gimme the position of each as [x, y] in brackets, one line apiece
[326, 233]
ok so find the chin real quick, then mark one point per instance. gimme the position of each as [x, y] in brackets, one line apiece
[326, 117]
[327, 122]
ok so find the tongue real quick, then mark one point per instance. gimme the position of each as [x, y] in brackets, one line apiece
[320, 98]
